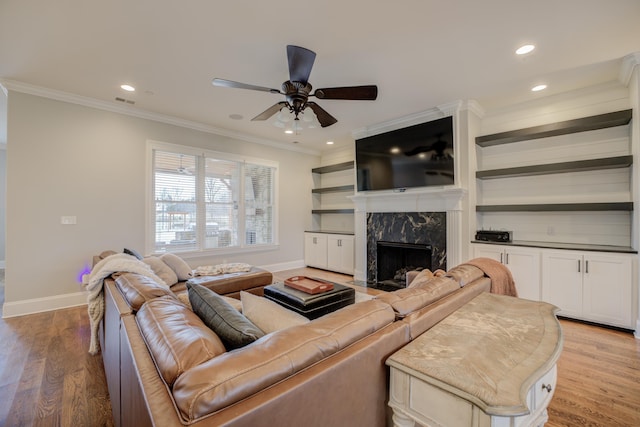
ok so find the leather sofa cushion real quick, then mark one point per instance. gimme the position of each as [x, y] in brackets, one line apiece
[408, 300]
[176, 337]
[465, 273]
[238, 374]
[137, 289]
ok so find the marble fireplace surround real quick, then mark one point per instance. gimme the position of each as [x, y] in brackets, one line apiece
[416, 214]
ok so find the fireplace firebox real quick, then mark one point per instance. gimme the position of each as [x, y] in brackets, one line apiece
[395, 259]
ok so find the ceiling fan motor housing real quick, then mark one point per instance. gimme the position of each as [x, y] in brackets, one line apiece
[297, 94]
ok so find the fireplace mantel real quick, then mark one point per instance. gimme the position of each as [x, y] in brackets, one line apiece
[412, 200]
[443, 199]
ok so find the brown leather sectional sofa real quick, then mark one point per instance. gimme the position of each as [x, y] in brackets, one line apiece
[162, 368]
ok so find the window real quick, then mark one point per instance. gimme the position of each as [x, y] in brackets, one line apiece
[207, 200]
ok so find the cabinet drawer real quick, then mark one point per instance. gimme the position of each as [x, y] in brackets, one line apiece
[544, 388]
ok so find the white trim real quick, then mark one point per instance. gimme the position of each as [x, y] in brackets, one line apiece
[128, 110]
[2, 264]
[629, 62]
[291, 265]
[39, 305]
[438, 112]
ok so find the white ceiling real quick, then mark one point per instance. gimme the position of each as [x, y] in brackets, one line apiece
[420, 53]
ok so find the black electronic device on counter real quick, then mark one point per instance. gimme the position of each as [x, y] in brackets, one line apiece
[494, 236]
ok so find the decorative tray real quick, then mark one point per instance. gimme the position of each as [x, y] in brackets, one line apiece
[308, 284]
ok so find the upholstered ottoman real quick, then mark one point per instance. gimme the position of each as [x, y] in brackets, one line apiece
[230, 284]
[308, 305]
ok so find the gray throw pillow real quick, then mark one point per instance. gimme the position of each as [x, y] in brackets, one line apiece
[233, 328]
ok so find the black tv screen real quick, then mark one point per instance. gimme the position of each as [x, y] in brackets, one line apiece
[416, 156]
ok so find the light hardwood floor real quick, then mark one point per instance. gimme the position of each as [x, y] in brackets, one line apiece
[47, 378]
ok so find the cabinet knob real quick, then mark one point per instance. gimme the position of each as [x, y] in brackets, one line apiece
[547, 387]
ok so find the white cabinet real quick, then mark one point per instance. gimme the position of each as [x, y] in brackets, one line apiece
[340, 253]
[315, 250]
[328, 251]
[590, 286]
[524, 264]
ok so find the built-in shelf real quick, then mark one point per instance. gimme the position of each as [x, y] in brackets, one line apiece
[564, 167]
[333, 189]
[558, 207]
[333, 168]
[563, 245]
[332, 211]
[601, 121]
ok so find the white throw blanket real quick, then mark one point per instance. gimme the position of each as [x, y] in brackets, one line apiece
[214, 270]
[103, 269]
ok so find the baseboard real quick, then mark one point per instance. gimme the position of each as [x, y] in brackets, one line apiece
[39, 305]
[291, 265]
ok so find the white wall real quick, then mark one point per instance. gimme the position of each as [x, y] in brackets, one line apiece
[3, 175]
[69, 159]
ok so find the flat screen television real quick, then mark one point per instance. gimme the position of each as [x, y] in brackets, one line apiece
[416, 156]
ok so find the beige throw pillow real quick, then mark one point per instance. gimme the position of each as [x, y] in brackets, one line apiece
[268, 315]
[178, 265]
[161, 270]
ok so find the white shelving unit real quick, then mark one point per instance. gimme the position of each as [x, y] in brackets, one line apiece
[567, 182]
[330, 244]
[565, 191]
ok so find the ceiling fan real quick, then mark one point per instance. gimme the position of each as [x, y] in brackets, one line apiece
[297, 89]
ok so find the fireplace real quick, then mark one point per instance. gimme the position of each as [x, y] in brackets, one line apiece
[426, 229]
[395, 259]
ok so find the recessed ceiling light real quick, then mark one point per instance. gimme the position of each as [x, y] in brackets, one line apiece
[288, 131]
[235, 116]
[128, 88]
[329, 142]
[395, 150]
[538, 88]
[523, 50]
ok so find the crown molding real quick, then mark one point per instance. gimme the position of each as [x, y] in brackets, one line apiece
[629, 62]
[16, 86]
[443, 110]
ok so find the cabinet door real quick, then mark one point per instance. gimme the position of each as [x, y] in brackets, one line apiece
[524, 265]
[489, 251]
[340, 253]
[607, 289]
[315, 250]
[562, 281]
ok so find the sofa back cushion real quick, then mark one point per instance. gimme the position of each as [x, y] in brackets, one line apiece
[408, 300]
[237, 374]
[137, 289]
[176, 337]
[465, 273]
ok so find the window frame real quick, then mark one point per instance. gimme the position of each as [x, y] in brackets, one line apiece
[201, 154]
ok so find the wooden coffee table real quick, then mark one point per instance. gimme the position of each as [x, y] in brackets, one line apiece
[490, 363]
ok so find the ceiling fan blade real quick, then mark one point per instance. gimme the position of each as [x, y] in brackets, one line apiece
[363, 93]
[324, 118]
[300, 63]
[238, 85]
[270, 111]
